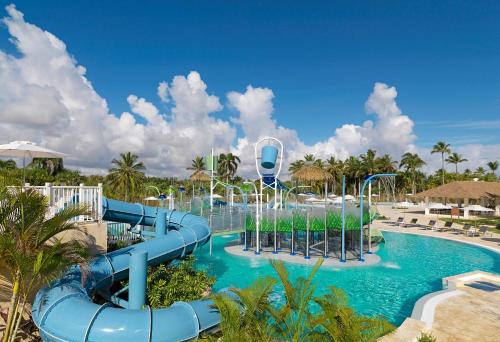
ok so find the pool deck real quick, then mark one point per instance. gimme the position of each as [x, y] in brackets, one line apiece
[468, 307]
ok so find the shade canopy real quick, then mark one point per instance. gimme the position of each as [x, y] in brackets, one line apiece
[27, 149]
[199, 176]
[477, 207]
[439, 206]
[463, 189]
[311, 173]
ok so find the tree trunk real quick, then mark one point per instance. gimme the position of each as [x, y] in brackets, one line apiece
[442, 168]
[12, 309]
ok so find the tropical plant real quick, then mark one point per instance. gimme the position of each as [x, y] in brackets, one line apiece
[126, 175]
[339, 322]
[309, 158]
[386, 164]
[228, 165]
[197, 164]
[30, 249]
[455, 158]
[412, 162]
[296, 166]
[293, 321]
[424, 337]
[442, 148]
[251, 316]
[493, 165]
[182, 282]
[250, 323]
[52, 165]
[7, 164]
[369, 162]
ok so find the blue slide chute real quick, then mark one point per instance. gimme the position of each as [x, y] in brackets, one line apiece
[64, 311]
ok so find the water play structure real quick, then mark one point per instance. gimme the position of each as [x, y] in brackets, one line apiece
[70, 298]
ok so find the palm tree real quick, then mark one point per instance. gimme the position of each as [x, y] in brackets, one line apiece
[386, 164]
[354, 171]
[127, 174]
[412, 162]
[30, 250]
[197, 164]
[334, 167]
[228, 165]
[250, 324]
[309, 158]
[441, 147]
[480, 171]
[493, 165]
[369, 162]
[52, 165]
[255, 318]
[296, 166]
[7, 164]
[455, 158]
[340, 323]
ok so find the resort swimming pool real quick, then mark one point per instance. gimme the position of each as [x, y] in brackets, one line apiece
[411, 266]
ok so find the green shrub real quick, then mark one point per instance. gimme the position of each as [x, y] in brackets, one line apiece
[170, 283]
[426, 338]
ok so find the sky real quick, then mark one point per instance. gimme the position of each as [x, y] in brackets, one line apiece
[168, 80]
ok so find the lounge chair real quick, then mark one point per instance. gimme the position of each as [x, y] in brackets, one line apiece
[479, 232]
[430, 225]
[413, 222]
[399, 221]
[467, 229]
[447, 226]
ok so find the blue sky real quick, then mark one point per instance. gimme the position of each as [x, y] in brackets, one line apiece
[321, 59]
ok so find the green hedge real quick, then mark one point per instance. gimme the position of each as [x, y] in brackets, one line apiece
[317, 224]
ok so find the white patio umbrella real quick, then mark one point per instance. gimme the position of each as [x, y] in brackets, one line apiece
[27, 149]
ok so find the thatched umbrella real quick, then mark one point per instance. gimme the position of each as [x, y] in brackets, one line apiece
[311, 173]
[199, 176]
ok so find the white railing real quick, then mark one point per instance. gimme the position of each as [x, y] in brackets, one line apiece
[61, 197]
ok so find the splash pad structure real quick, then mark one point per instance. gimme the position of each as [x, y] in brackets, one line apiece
[321, 230]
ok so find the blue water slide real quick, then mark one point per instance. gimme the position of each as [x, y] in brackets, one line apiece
[65, 311]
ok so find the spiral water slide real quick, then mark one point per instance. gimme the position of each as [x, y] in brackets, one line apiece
[65, 310]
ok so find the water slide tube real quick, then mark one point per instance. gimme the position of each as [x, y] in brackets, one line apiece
[64, 311]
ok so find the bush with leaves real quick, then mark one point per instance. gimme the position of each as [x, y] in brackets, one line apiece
[426, 338]
[167, 284]
[254, 317]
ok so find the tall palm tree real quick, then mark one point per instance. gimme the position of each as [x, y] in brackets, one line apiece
[309, 158]
[52, 165]
[126, 174]
[296, 166]
[7, 164]
[197, 164]
[493, 165]
[480, 171]
[412, 162]
[228, 165]
[369, 161]
[441, 147]
[30, 249]
[455, 158]
[335, 168]
[386, 164]
[354, 171]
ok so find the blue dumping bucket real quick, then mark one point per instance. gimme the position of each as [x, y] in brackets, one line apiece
[269, 155]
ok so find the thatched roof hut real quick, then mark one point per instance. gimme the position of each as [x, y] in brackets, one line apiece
[463, 189]
[311, 173]
[199, 176]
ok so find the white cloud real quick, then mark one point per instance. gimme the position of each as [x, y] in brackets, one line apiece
[46, 97]
[162, 91]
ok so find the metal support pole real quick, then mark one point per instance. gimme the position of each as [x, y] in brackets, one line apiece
[161, 224]
[137, 280]
[292, 250]
[369, 223]
[326, 229]
[307, 236]
[342, 253]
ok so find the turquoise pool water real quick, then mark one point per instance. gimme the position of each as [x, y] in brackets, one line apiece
[411, 266]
